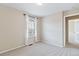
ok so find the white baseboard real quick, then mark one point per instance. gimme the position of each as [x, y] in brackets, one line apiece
[11, 49]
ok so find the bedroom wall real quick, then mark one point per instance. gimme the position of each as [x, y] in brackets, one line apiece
[11, 28]
[52, 29]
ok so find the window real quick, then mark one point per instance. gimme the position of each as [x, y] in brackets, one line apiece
[31, 27]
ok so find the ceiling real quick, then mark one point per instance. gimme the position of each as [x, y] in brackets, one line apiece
[43, 10]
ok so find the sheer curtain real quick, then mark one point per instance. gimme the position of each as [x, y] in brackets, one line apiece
[31, 29]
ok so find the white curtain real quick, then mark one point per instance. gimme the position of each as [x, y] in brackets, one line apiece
[31, 33]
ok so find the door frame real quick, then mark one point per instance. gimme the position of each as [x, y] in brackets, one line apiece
[66, 27]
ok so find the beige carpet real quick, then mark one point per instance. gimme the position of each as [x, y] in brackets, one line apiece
[42, 49]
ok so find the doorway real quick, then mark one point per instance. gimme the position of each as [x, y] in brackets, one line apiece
[72, 31]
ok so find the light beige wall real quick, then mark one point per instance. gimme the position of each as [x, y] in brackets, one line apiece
[52, 29]
[11, 28]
